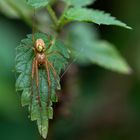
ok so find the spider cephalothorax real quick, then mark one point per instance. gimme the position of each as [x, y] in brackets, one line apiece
[40, 46]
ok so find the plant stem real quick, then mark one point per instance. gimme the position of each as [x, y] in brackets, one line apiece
[58, 22]
[62, 21]
[52, 15]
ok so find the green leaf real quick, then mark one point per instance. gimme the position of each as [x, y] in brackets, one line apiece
[38, 3]
[85, 44]
[25, 98]
[79, 3]
[95, 16]
[57, 55]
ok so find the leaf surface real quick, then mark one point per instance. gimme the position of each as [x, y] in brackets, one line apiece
[85, 43]
[38, 3]
[91, 15]
[79, 3]
[24, 60]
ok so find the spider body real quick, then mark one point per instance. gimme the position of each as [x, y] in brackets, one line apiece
[41, 59]
[40, 49]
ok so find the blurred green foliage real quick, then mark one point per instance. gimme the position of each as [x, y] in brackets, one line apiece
[103, 105]
[84, 39]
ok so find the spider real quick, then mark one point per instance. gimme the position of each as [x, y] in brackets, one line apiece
[41, 59]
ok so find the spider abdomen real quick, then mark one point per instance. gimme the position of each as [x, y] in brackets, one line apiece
[40, 58]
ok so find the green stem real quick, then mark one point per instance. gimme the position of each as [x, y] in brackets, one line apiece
[62, 20]
[58, 23]
[52, 15]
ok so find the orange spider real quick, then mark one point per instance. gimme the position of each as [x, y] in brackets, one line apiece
[41, 59]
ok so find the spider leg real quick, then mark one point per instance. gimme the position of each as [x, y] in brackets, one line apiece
[50, 44]
[55, 52]
[32, 80]
[54, 71]
[37, 82]
[38, 93]
[49, 82]
[33, 68]
[34, 50]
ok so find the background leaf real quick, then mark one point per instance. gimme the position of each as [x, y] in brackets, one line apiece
[85, 43]
[79, 3]
[38, 3]
[15, 8]
[95, 16]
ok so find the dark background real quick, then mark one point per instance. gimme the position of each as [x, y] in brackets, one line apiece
[96, 104]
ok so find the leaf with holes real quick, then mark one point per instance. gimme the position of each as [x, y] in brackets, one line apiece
[24, 59]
